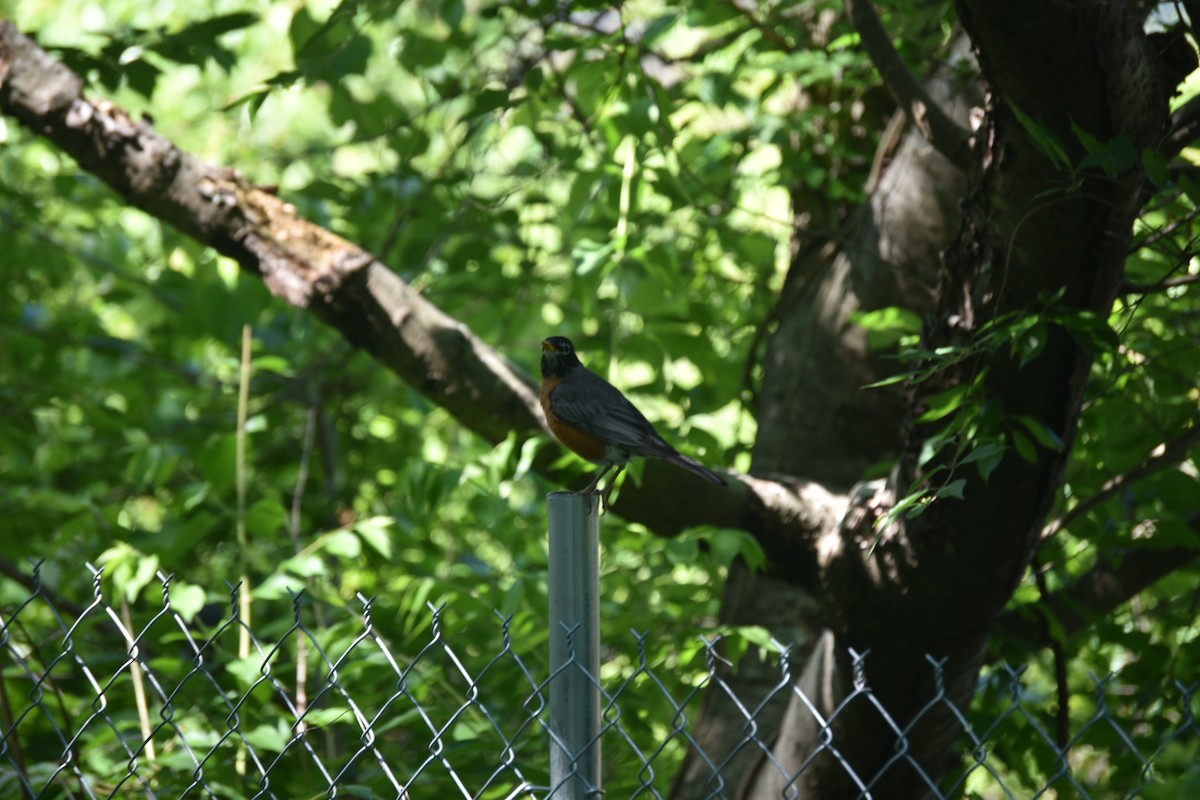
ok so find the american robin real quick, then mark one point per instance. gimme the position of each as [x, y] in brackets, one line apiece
[591, 416]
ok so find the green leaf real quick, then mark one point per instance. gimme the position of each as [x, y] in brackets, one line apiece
[1031, 341]
[943, 404]
[1113, 157]
[658, 28]
[891, 381]
[376, 532]
[1024, 446]
[305, 565]
[488, 100]
[1090, 330]
[727, 545]
[683, 550]
[324, 717]
[988, 456]
[419, 52]
[1190, 188]
[187, 599]
[274, 363]
[265, 519]
[952, 489]
[245, 670]
[131, 572]
[887, 326]
[342, 543]
[270, 738]
[197, 43]
[1041, 433]
[1179, 491]
[1045, 139]
[590, 255]
[215, 461]
[194, 494]
[1156, 167]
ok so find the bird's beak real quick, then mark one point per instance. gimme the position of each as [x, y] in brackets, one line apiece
[547, 346]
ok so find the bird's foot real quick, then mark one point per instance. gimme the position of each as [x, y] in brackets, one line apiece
[601, 507]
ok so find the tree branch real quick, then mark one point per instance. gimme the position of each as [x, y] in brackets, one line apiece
[1098, 592]
[1162, 457]
[1166, 283]
[947, 136]
[349, 289]
[1184, 130]
[1062, 716]
[306, 265]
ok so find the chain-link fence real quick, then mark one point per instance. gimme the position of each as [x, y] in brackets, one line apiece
[318, 702]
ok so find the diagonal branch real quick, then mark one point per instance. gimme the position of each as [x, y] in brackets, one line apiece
[306, 265]
[1162, 457]
[369, 304]
[947, 136]
[1161, 286]
[1101, 590]
[1185, 128]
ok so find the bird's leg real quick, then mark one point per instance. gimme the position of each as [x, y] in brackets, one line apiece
[612, 483]
[591, 487]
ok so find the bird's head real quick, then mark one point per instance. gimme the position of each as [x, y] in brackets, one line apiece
[558, 356]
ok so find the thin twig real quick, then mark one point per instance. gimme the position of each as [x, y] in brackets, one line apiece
[139, 686]
[947, 136]
[1184, 128]
[1062, 714]
[18, 754]
[244, 604]
[243, 541]
[1157, 235]
[1165, 283]
[764, 27]
[310, 429]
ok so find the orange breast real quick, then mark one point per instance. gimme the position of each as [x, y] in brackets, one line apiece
[584, 444]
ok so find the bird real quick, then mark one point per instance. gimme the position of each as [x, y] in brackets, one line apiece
[594, 419]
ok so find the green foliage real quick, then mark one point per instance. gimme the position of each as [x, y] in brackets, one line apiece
[1141, 405]
[626, 176]
[529, 174]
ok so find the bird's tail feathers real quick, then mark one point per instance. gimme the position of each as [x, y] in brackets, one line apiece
[692, 465]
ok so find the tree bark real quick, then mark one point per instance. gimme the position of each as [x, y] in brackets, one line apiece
[1030, 228]
[817, 421]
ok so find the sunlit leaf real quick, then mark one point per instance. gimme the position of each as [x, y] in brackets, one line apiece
[943, 404]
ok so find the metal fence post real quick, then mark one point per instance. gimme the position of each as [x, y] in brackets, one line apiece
[574, 646]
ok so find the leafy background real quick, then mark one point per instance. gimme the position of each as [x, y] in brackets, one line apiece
[629, 179]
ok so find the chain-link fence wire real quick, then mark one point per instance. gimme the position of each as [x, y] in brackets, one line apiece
[93, 706]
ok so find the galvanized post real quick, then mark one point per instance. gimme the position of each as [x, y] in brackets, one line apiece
[574, 646]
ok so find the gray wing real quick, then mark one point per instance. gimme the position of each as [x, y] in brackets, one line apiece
[595, 406]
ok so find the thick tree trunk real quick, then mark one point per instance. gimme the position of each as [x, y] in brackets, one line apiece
[817, 421]
[1030, 228]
